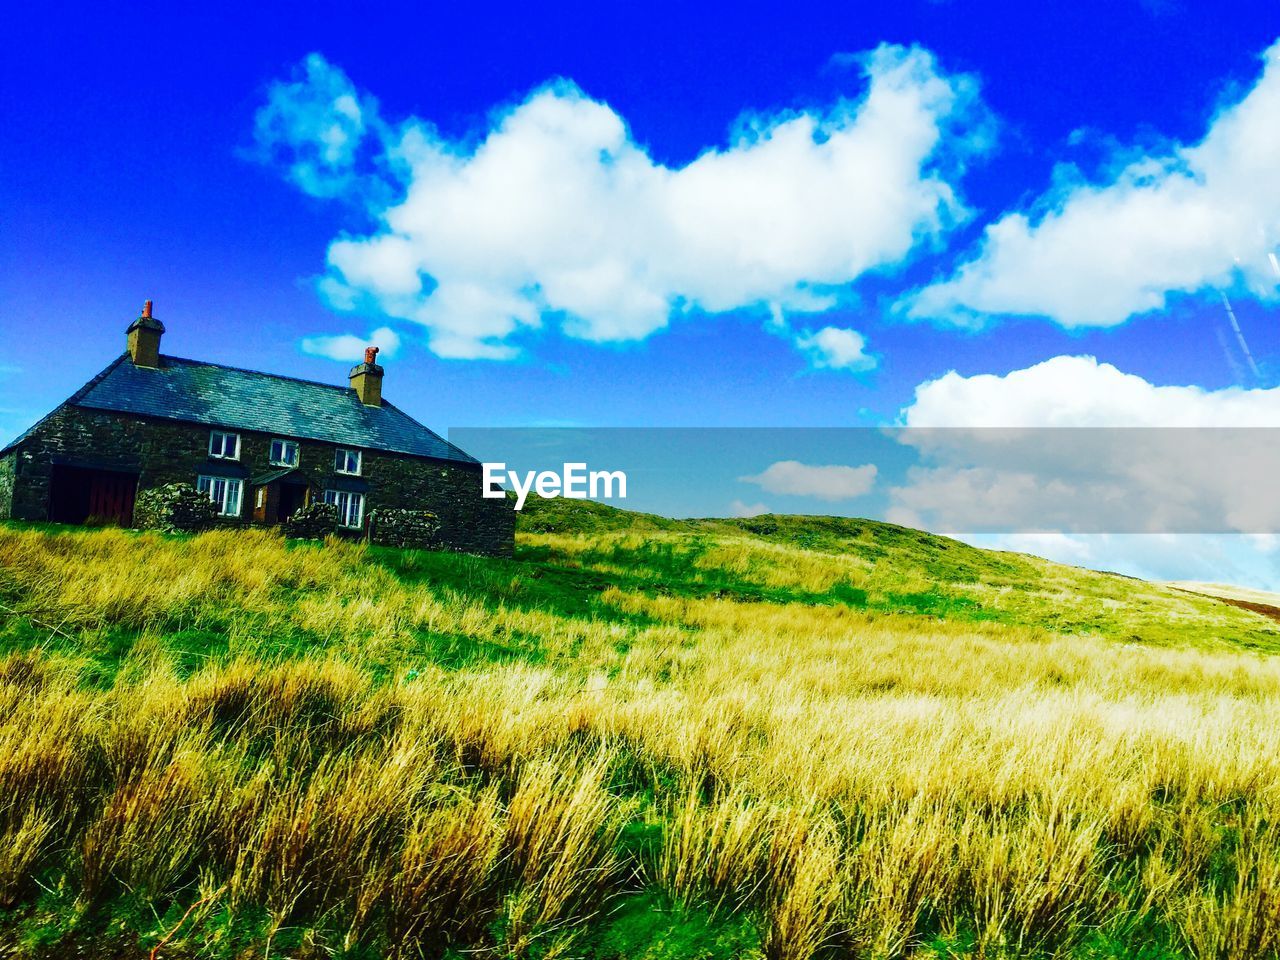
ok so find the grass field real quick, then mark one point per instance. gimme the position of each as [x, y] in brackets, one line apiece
[641, 738]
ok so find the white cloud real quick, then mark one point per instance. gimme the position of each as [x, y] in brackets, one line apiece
[746, 510]
[1095, 254]
[832, 482]
[1265, 543]
[836, 348]
[1081, 392]
[1210, 476]
[348, 346]
[1030, 495]
[314, 125]
[555, 212]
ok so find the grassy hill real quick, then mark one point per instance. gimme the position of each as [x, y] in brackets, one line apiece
[873, 566]
[783, 737]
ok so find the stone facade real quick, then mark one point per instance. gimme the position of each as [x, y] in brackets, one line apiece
[7, 466]
[159, 452]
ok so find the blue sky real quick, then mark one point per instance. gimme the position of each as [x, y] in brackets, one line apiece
[675, 215]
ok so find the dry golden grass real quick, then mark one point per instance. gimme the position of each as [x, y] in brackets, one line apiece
[858, 783]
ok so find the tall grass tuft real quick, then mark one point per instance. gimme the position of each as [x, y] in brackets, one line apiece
[625, 744]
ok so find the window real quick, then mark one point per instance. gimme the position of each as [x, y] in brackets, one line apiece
[224, 446]
[348, 461]
[224, 492]
[350, 506]
[284, 453]
[261, 500]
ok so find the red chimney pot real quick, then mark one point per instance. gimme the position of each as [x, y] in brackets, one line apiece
[146, 308]
[370, 353]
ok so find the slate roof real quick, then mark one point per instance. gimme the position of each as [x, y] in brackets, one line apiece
[206, 393]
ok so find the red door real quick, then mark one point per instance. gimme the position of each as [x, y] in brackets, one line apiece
[111, 497]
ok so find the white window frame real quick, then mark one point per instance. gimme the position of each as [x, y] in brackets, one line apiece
[285, 446]
[222, 454]
[350, 507]
[342, 459]
[226, 493]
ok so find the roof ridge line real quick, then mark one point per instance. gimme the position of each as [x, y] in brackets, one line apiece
[259, 373]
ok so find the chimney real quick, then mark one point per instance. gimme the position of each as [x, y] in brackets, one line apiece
[144, 339]
[366, 379]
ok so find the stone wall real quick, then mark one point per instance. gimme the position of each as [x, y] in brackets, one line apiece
[315, 521]
[157, 451]
[419, 529]
[162, 452]
[173, 508]
[451, 491]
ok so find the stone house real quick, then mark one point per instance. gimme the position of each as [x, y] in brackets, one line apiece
[259, 445]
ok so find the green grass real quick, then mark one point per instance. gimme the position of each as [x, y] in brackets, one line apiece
[751, 665]
[902, 571]
[897, 572]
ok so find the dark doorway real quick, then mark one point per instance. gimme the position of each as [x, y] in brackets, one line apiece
[293, 497]
[81, 494]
